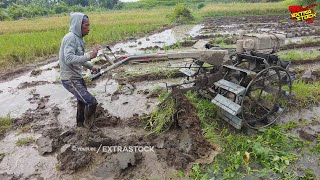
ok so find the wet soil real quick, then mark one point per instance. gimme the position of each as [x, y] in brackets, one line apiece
[185, 145]
[260, 23]
[50, 117]
[149, 77]
[6, 75]
[300, 45]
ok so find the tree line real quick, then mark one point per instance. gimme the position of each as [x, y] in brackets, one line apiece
[16, 9]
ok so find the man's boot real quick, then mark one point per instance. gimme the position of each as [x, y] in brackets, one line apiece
[80, 114]
[89, 116]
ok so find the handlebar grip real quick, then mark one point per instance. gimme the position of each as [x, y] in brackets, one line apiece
[95, 76]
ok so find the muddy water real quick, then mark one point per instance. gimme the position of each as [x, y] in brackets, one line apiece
[26, 159]
[165, 38]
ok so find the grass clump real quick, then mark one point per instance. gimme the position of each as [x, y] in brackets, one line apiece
[25, 141]
[161, 119]
[5, 124]
[296, 55]
[306, 94]
[221, 42]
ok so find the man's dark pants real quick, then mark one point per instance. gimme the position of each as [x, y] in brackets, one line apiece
[87, 104]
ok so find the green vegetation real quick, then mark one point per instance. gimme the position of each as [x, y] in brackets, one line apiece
[221, 42]
[306, 94]
[25, 141]
[12, 10]
[24, 42]
[271, 151]
[310, 40]
[29, 41]
[157, 90]
[181, 14]
[161, 118]
[5, 124]
[296, 55]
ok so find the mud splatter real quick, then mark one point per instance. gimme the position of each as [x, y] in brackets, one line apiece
[9, 176]
[32, 84]
[35, 72]
[70, 160]
[150, 77]
[135, 121]
[117, 165]
[105, 119]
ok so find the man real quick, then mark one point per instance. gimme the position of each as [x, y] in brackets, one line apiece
[71, 60]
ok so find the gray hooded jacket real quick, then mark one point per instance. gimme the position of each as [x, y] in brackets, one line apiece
[71, 54]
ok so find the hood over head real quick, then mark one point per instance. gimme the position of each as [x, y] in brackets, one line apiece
[76, 23]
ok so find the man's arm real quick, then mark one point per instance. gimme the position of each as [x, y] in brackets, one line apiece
[70, 54]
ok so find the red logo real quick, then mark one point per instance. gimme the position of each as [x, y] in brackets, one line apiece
[300, 13]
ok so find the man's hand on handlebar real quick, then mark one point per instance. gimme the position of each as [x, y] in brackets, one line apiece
[94, 52]
[95, 70]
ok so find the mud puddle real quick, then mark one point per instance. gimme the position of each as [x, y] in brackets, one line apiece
[159, 40]
[25, 161]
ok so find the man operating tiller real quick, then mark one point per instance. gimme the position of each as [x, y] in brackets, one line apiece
[71, 59]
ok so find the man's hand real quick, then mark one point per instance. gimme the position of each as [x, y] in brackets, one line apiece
[94, 52]
[95, 70]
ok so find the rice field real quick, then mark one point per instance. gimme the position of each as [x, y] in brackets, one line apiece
[23, 41]
[31, 40]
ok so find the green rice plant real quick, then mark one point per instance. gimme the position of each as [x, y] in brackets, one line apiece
[26, 43]
[25, 141]
[298, 55]
[5, 124]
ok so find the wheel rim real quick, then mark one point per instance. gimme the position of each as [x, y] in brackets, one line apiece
[266, 97]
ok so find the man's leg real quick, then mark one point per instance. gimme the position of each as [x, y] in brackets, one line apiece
[79, 90]
[80, 113]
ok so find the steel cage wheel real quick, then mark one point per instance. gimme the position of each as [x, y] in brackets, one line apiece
[266, 97]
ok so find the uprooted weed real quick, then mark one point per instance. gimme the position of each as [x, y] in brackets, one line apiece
[25, 141]
[5, 124]
[162, 118]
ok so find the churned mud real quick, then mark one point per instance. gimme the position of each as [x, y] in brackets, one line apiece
[184, 144]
